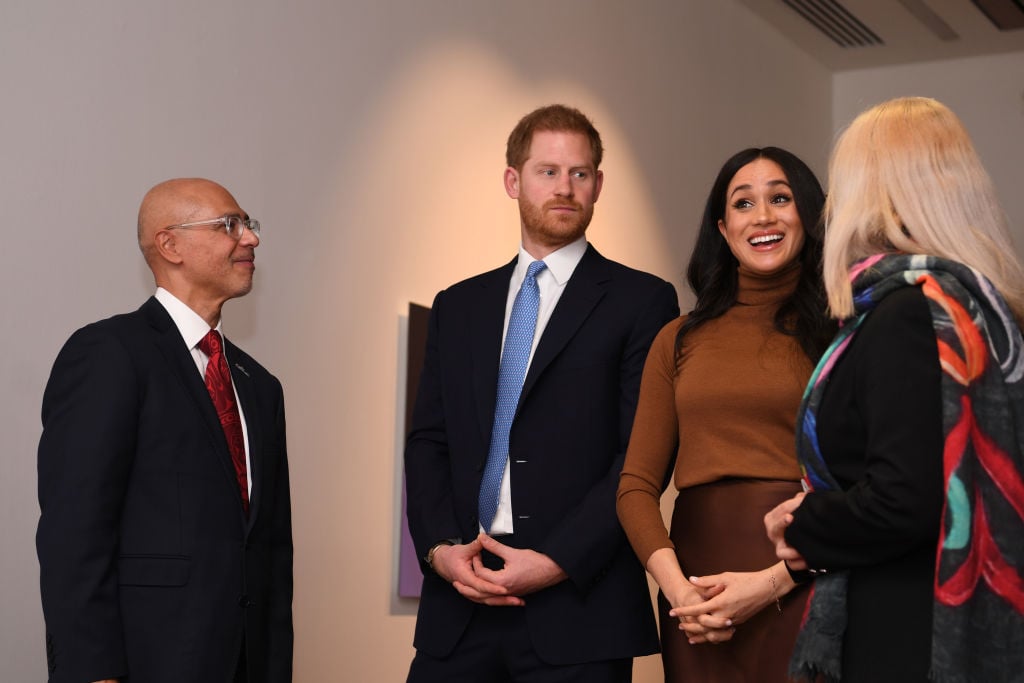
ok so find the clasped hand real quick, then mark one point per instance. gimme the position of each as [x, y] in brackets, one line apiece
[524, 572]
[775, 523]
[719, 602]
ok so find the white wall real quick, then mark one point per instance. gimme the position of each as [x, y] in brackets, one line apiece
[368, 137]
[987, 93]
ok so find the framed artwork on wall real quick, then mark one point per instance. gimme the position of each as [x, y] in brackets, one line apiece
[410, 578]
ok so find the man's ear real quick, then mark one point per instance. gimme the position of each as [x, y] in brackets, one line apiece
[512, 182]
[167, 246]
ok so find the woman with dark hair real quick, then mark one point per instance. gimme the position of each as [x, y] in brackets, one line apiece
[712, 271]
[718, 398]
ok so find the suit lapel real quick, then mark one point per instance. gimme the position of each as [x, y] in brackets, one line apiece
[582, 293]
[485, 329]
[180, 362]
[249, 400]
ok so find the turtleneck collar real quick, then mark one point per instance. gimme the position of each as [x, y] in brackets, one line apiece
[756, 289]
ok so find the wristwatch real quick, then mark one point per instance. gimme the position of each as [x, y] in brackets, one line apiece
[429, 559]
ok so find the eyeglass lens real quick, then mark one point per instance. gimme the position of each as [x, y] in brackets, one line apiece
[236, 225]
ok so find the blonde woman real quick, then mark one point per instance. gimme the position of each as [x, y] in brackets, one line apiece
[911, 432]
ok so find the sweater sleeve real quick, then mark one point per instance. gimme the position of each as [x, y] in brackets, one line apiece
[652, 450]
[880, 429]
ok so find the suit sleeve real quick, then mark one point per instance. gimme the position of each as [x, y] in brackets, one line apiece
[588, 539]
[429, 504]
[85, 456]
[894, 504]
[281, 640]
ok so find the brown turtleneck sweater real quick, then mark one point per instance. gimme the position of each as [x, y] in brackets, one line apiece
[727, 409]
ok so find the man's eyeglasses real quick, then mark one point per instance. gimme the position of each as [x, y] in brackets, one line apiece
[233, 225]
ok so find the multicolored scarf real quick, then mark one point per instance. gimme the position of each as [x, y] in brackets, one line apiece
[978, 614]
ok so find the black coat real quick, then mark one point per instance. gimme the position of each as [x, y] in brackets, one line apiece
[880, 430]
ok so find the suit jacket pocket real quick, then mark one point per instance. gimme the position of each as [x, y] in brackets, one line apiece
[153, 570]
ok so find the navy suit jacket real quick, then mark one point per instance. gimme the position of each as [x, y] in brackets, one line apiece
[566, 447]
[150, 569]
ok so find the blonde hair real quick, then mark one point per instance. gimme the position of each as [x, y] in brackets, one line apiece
[905, 177]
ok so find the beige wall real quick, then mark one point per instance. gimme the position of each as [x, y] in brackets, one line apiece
[368, 138]
[987, 93]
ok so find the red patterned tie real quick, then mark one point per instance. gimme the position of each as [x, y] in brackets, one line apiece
[218, 383]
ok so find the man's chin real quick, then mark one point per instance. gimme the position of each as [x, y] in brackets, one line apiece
[242, 290]
[560, 234]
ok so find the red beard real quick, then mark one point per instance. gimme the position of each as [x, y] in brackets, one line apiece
[554, 229]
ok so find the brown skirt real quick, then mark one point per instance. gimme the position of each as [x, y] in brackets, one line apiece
[716, 528]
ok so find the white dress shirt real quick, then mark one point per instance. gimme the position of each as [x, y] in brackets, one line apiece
[193, 328]
[551, 282]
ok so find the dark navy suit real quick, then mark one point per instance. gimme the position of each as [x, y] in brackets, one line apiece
[150, 569]
[566, 448]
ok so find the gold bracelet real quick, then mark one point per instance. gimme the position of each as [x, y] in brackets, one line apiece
[775, 593]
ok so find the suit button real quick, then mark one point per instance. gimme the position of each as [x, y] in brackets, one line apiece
[245, 601]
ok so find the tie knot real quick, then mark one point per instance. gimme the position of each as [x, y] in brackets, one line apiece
[210, 344]
[535, 268]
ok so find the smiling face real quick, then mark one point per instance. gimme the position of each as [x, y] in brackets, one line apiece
[761, 223]
[217, 266]
[202, 265]
[556, 189]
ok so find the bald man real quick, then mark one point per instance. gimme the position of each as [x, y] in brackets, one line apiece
[164, 538]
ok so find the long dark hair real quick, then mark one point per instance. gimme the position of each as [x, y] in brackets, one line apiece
[712, 272]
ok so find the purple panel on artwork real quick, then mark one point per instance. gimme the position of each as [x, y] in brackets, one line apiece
[410, 578]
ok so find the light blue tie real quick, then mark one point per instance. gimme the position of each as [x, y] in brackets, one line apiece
[514, 358]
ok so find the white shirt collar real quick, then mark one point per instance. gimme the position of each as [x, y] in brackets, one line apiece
[189, 323]
[561, 263]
